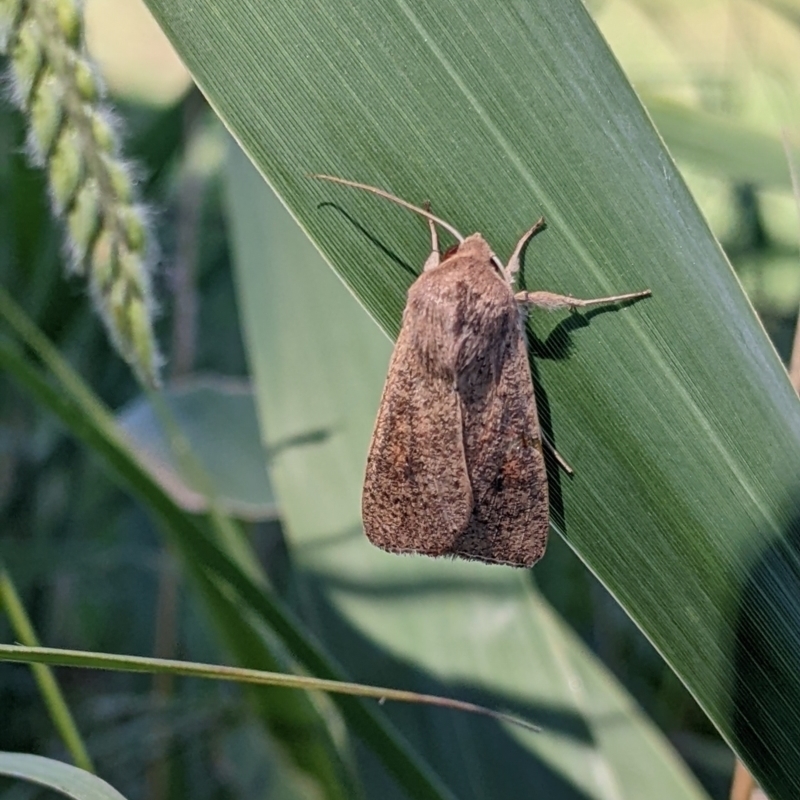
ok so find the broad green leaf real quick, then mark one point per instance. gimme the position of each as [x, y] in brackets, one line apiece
[56, 775]
[479, 631]
[217, 418]
[675, 413]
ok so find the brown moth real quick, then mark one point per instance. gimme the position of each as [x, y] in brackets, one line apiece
[456, 466]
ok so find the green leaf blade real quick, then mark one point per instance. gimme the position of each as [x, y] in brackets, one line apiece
[63, 778]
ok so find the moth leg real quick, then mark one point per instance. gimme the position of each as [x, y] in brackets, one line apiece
[511, 270]
[557, 456]
[435, 256]
[560, 302]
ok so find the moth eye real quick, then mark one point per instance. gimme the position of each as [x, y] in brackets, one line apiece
[452, 250]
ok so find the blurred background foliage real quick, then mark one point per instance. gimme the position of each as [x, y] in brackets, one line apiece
[720, 79]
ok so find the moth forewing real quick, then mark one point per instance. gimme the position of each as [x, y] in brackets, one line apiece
[417, 494]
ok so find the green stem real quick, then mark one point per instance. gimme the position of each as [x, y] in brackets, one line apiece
[48, 685]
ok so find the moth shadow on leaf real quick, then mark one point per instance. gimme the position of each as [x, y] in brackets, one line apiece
[551, 465]
[315, 436]
[390, 254]
[558, 344]
[557, 347]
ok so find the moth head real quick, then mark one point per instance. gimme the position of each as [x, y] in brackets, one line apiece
[477, 248]
[451, 251]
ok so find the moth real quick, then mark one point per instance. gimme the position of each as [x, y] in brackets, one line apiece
[456, 464]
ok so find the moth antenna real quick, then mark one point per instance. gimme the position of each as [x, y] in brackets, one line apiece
[386, 196]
